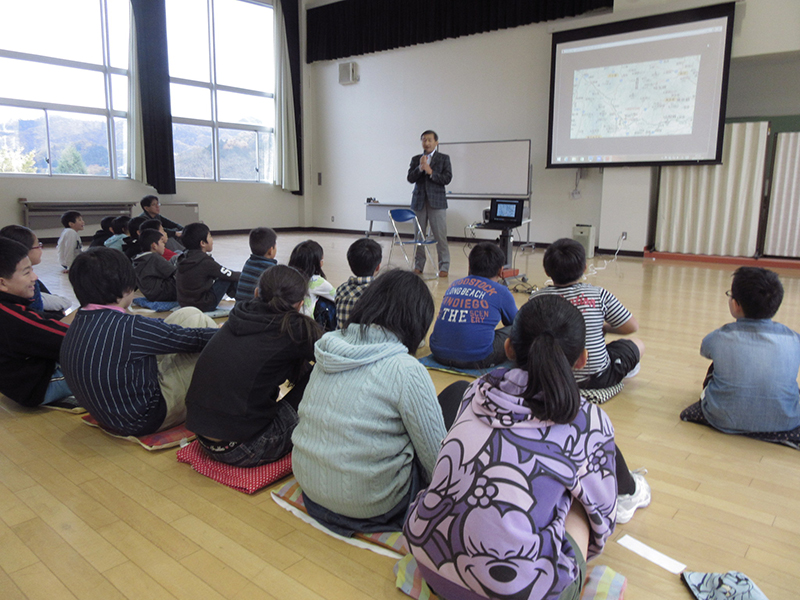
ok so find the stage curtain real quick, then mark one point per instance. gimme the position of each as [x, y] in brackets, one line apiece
[152, 78]
[354, 27]
[288, 112]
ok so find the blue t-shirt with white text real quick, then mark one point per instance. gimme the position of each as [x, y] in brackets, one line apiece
[471, 309]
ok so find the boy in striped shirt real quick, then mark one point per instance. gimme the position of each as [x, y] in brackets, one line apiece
[129, 371]
[608, 364]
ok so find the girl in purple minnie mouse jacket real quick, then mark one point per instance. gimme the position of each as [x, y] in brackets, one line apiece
[524, 490]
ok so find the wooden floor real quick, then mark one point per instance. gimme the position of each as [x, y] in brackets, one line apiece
[85, 516]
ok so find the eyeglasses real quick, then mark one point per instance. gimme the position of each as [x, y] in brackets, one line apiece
[38, 246]
[729, 294]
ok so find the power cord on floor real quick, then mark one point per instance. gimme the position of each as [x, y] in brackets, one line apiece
[593, 269]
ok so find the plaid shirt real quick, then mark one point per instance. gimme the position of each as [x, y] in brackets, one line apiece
[346, 296]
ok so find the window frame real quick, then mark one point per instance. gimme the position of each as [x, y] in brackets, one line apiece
[107, 112]
[215, 124]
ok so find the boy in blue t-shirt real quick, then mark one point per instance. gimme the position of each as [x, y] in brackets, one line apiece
[751, 385]
[263, 248]
[464, 335]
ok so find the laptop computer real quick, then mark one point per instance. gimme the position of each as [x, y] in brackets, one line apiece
[505, 213]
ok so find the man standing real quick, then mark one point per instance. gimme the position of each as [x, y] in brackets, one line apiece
[430, 172]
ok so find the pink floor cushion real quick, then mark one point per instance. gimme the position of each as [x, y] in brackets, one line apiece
[169, 438]
[245, 479]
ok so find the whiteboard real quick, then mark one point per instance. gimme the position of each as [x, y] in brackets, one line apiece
[489, 169]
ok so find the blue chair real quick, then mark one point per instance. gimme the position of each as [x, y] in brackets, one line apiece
[405, 215]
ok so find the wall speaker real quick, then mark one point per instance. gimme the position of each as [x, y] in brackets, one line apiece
[348, 73]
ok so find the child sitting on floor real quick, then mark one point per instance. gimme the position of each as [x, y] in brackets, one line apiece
[370, 420]
[233, 403]
[608, 364]
[524, 490]
[120, 228]
[263, 248]
[101, 235]
[465, 335]
[364, 257]
[130, 244]
[319, 303]
[69, 242]
[29, 343]
[751, 385]
[202, 281]
[154, 273]
[130, 372]
[45, 303]
[156, 224]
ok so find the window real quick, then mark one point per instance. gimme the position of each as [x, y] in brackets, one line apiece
[222, 80]
[64, 88]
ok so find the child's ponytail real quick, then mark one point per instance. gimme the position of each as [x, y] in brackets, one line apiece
[548, 338]
[281, 288]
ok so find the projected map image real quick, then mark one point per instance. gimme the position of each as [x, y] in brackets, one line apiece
[635, 100]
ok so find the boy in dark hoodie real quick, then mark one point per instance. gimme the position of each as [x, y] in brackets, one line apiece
[101, 235]
[202, 281]
[155, 275]
[130, 245]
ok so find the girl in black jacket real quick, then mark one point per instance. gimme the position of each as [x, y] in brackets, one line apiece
[232, 404]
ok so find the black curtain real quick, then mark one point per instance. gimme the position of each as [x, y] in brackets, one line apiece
[153, 65]
[353, 27]
[291, 19]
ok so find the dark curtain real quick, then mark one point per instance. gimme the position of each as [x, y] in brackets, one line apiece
[353, 27]
[153, 72]
[291, 19]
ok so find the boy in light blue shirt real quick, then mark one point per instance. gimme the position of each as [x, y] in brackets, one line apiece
[751, 386]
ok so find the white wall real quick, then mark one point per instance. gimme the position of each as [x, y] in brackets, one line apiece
[625, 207]
[491, 86]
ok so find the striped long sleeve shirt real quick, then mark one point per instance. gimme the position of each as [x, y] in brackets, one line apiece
[109, 360]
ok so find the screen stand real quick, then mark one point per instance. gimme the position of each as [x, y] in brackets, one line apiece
[507, 246]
